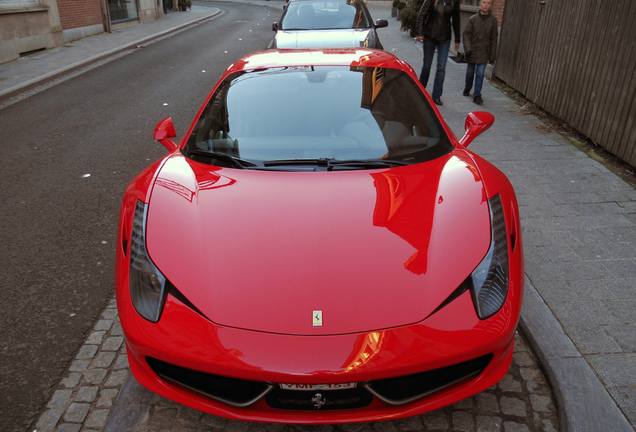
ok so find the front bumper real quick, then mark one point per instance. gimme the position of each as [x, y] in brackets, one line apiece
[454, 335]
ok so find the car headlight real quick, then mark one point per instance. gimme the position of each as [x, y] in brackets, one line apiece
[491, 277]
[148, 287]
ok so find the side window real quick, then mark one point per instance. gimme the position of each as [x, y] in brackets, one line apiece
[400, 101]
[407, 120]
[211, 130]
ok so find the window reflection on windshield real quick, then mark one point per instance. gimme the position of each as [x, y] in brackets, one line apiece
[317, 15]
[320, 112]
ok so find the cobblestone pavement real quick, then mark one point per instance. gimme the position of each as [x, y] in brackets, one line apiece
[85, 397]
[97, 394]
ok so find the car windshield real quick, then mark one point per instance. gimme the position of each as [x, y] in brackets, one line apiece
[320, 15]
[317, 118]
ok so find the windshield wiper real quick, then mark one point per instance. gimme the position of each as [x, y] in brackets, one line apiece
[366, 163]
[280, 162]
[330, 163]
[237, 162]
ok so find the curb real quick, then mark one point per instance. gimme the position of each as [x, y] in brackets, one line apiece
[583, 401]
[11, 91]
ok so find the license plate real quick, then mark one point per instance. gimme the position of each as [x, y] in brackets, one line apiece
[337, 386]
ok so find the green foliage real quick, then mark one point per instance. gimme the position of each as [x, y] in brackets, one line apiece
[185, 4]
[408, 16]
[395, 3]
[401, 5]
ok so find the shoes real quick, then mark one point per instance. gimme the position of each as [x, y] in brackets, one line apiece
[438, 102]
[466, 92]
[478, 100]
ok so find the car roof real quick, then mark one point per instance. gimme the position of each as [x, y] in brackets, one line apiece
[366, 57]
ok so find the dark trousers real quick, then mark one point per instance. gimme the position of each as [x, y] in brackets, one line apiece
[442, 56]
[476, 72]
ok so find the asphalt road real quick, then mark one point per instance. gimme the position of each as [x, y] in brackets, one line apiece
[68, 154]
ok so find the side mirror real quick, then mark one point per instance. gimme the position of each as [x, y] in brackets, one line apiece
[164, 131]
[275, 26]
[476, 123]
[381, 23]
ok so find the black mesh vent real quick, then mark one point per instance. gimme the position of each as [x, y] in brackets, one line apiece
[327, 400]
[231, 391]
[405, 389]
[394, 391]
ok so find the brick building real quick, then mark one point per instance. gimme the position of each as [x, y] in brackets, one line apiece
[33, 25]
[498, 10]
[80, 18]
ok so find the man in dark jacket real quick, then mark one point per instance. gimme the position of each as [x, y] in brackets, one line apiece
[435, 21]
[480, 47]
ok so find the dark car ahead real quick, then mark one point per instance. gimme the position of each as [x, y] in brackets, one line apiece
[326, 24]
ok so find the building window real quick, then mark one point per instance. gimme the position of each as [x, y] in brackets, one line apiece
[122, 10]
[17, 4]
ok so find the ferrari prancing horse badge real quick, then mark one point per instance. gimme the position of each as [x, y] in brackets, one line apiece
[317, 318]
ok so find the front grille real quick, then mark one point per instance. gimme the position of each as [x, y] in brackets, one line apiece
[394, 391]
[405, 389]
[326, 400]
[232, 391]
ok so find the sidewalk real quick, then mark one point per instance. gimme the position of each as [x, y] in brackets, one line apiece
[579, 227]
[37, 69]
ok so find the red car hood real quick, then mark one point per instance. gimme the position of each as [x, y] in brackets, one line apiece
[371, 249]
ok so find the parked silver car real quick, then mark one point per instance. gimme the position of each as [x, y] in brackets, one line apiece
[326, 24]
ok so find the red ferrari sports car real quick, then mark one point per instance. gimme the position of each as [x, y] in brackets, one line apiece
[319, 248]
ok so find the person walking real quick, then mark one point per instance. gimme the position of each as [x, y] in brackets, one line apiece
[436, 21]
[480, 47]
